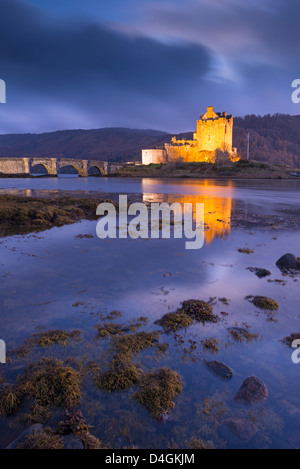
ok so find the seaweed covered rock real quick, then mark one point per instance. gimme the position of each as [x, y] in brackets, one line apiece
[171, 322]
[252, 391]
[290, 339]
[122, 374]
[242, 428]
[259, 272]
[157, 390]
[25, 214]
[199, 310]
[288, 262]
[50, 383]
[263, 302]
[219, 369]
[190, 311]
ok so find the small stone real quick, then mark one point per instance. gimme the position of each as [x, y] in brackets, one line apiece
[242, 428]
[260, 272]
[252, 390]
[219, 369]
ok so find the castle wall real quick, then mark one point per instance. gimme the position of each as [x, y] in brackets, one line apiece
[155, 156]
[187, 153]
[214, 133]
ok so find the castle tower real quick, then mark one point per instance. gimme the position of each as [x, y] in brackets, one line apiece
[214, 130]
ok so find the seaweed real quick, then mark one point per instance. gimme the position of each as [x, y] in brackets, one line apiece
[263, 302]
[50, 383]
[157, 389]
[122, 374]
[90, 442]
[245, 250]
[46, 339]
[171, 322]
[11, 397]
[108, 329]
[191, 310]
[197, 443]
[290, 339]
[199, 310]
[211, 344]
[133, 343]
[240, 334]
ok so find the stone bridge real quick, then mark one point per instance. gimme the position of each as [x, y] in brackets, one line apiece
[23, 166]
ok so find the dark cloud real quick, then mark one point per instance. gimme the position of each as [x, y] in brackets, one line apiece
[157, 65]
[82, 64]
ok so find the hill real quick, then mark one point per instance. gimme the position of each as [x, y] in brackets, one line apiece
[114, 144]
[274, 139]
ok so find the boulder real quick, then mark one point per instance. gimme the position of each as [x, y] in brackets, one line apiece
[242, 428]
[288, 261]
[252, 390]
[20, 438]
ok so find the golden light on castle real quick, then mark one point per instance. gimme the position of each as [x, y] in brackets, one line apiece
[213, 132]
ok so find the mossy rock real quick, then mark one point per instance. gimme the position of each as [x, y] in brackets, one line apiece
[199, 310]
[171, 322]
[290, 339]
[263, 302]
[157, 390]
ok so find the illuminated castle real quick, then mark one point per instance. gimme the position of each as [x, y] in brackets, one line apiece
[214, 131]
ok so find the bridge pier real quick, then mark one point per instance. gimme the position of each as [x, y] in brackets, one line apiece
[17, 166]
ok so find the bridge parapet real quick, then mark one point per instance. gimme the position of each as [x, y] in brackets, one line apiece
[22, 166]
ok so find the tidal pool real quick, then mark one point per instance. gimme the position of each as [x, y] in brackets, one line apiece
[59, 279]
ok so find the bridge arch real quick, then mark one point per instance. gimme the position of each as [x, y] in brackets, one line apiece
[73, 169]
[33, 169]
[95, 170]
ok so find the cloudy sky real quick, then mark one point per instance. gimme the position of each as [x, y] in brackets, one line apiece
[144, 63]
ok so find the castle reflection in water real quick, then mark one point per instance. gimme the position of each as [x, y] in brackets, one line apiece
[217, 209]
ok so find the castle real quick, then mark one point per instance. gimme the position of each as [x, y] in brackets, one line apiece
[214, 131]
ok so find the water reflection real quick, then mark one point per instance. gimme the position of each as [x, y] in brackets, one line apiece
[217, 209]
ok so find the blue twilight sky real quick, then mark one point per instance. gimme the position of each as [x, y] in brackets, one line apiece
[144, 63]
